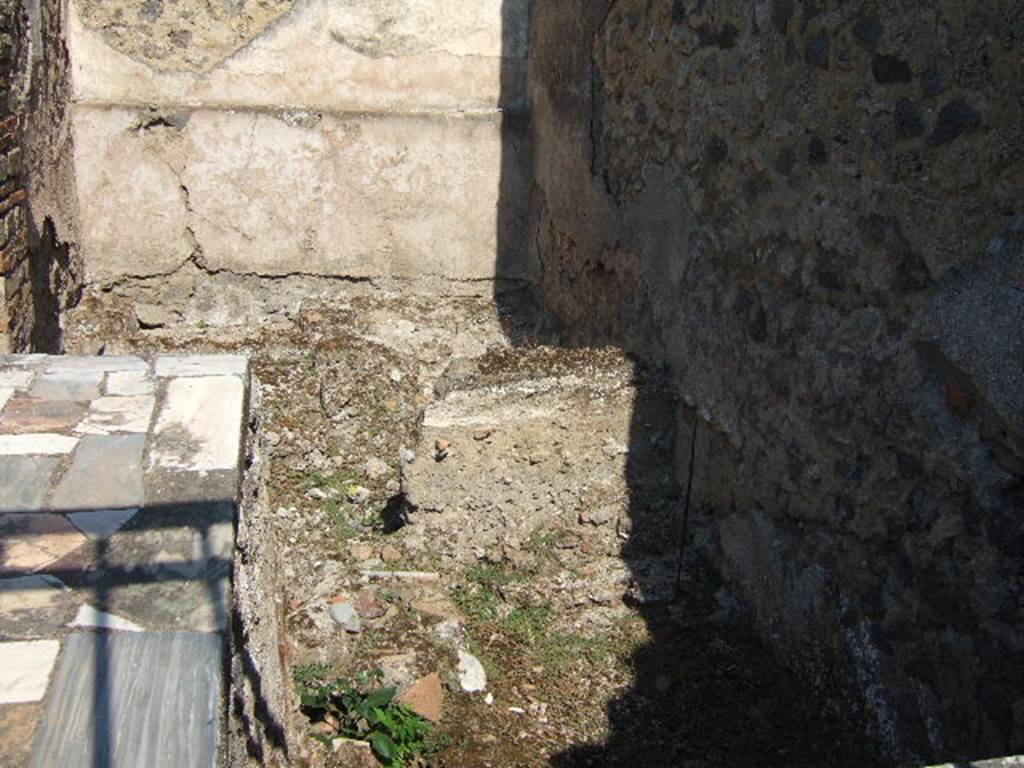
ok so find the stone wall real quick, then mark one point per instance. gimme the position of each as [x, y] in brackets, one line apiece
[13, 226]
[358, 141]
[813, 212]
[37, 222]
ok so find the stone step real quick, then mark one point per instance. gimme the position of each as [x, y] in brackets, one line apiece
[271, 194]
[536, 441]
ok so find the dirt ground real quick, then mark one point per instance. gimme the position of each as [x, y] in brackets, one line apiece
[528, 496]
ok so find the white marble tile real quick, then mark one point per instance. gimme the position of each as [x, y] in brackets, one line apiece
[16, 378]
[25, 670]
[88, 616]
[130, 383]
[43, 443]
[108, 415]
[201, 365]
[99, 364]
[200, 425]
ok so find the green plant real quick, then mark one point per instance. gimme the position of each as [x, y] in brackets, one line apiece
[526, 624]
[304, 674]
[363, 709]
[480, 599]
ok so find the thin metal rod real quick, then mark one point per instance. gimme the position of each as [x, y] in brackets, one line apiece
[684, 535]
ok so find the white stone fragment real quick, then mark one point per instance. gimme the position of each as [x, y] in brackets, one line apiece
[25, 670]
[18, 378]
[472, 676]
[201, 365]
[200, 425]
[5, 394]
[101, 523]
[88, 616]
[117, 414]
[44, 443]
[127, 383]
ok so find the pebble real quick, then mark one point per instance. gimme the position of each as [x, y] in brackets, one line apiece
[425, 697]
[345, 614]
[409, 455]
[358, 494]
[451, 632]
[377, 469]
[472, 676]
[600, 516]
[350, 752]
[390, 554]
[360, 551]
[482, 433]
[368, 606]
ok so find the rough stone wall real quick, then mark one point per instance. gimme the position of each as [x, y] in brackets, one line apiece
[37, 216]
[259, 696]
[13, 221]
[814, 213]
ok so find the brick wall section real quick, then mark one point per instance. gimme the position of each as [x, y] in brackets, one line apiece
[13, 193]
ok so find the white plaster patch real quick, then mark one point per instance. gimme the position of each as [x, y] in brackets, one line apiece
[34, 592]
[5, 395]
[25, 670]
[200, 426]
[101, 523]
[88, 616]
[44, 443]
[97, 364]
[201, 365]
[127, 383]
[18, 378]
[117, 414]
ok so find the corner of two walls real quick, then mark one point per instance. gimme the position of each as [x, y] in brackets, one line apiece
[815, 216]
[237, 160]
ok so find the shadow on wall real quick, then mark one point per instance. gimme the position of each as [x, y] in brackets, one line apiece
[830, 566]
[706, 690]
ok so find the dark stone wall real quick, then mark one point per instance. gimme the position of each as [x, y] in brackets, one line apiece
[42, 273]
[813, 212]
[13, 195]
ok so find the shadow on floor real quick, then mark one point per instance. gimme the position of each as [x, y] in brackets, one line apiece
[143, 614]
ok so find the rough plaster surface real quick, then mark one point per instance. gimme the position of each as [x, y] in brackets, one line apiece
[356, 139]
[409, 55]
[812, 212]
[273, 194]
